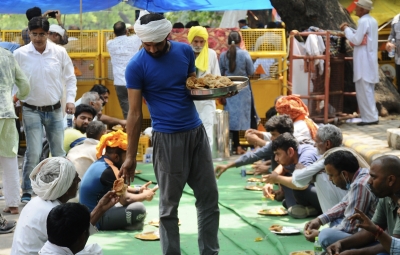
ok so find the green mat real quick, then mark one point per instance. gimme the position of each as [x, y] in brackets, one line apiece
[239, 224]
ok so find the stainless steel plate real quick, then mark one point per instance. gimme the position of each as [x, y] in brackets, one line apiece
[239, 82]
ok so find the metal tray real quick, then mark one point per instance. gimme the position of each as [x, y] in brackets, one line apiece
[239, 82]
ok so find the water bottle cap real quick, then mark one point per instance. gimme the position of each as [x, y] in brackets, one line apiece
[316, 238]
[263, 198]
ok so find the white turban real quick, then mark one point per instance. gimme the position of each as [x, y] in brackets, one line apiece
[154, 31]
[52, 177]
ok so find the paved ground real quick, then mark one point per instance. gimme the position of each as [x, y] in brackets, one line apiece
[369, 141]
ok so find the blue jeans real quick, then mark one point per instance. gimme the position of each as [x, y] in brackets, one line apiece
[328, 236]
[33, 126]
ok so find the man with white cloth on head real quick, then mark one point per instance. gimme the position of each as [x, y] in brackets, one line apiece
[181, 152]
[365, 61]
[55, 181]
[206, 63]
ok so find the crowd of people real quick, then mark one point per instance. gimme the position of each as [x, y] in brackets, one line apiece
[303, 164]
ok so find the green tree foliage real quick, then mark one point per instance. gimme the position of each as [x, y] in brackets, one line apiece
[212, 19]
[106, 19]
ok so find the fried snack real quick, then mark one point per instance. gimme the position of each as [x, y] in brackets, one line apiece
[119, 187]
[276, 228]
[307, 232]
[117, 127]
[272, 196]
[277, 211]
[209, 81]
[302, 253]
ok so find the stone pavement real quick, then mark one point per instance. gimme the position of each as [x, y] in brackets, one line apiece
[369, 141]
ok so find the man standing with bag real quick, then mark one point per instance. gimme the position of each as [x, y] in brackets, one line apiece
[365, 61]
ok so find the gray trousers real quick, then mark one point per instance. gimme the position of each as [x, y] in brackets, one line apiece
[182, 158]
[122, 217]
[122, 94]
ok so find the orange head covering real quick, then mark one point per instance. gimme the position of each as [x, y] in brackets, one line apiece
[112, 139]
[297, 110]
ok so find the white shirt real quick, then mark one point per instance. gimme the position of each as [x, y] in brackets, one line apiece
[328, 194]
[365, 60]
[52, 249]
[31, 233]
[47, 73]
[121, 50]
[83, 155]
[301, 132]
[206, 108]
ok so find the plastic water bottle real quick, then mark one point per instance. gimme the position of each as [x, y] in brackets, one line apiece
[243, 172]
[263, 203]
[69, 120]
[392, 52]
[317, 247]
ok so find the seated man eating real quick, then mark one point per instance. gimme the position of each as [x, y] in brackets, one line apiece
[100, 177]
[344, 171]
[55, 181]
[301, 202]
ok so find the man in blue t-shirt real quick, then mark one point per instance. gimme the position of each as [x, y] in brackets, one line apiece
[181, 152]
[301, 202]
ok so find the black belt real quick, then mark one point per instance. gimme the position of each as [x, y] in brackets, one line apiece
[46, 108]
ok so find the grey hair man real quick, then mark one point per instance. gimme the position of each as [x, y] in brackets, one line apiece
[328, 140]
[96, 101]
[83, 155]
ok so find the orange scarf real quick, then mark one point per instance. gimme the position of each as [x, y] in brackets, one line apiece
[297, 110]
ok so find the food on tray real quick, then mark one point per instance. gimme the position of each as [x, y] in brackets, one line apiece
[117, 127]
[254, 188]
[148, 236]
[119, 186]
[276, 228]
[302, 253]
[249, 172]
[277, 211]
[138, 171]
[156, 222]
[209, 81]
[271, 196]
[254, 180]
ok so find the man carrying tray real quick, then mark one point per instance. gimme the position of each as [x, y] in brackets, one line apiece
[181, 152]
[206, 63]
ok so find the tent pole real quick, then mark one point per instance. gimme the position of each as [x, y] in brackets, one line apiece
[80, 21]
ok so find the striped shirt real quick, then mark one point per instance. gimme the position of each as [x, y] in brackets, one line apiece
[359, 196]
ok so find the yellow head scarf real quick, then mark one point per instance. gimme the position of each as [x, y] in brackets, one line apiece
[202, 60]
[112, 139]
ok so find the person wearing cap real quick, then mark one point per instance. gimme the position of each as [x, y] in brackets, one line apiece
[100, 177]
[121, 50]
[56, 33]
[365, 61]
[181, 152]
[48, 68]
[55, 181]
[206, 63]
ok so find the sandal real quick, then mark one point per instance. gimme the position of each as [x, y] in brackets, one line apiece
[6, 226]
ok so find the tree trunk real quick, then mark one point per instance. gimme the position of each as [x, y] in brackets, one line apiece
[328, 15]
[301, 14]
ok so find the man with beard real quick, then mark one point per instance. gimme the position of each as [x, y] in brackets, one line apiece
[99, 179]
[206, 63]
[181, 152]
[384, 182]
[84, 114]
